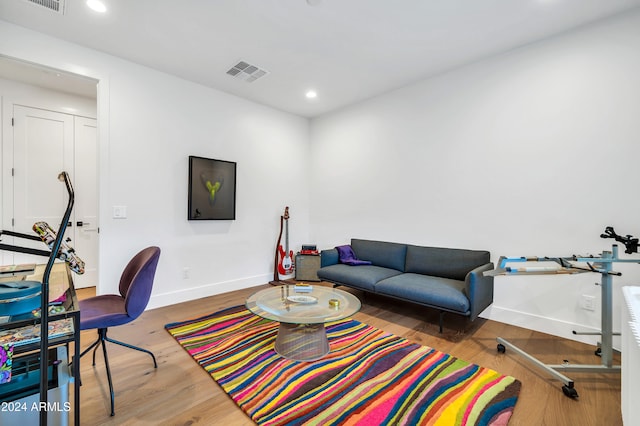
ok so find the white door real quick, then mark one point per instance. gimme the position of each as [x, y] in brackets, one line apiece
[42, 147]
[46, 143]
[85, 224]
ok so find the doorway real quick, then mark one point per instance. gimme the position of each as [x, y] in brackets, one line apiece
[52, 128]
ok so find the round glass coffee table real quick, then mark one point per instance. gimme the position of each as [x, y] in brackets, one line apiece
[302, 313]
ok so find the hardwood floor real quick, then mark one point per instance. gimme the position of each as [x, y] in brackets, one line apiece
[180, 392]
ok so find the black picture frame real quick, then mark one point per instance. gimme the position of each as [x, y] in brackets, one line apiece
[212, 189]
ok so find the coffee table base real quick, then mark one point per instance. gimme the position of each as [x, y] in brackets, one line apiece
[302, 342]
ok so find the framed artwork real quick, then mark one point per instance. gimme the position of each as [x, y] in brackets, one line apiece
[212, 189]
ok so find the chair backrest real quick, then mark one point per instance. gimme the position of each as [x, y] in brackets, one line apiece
[136, 281]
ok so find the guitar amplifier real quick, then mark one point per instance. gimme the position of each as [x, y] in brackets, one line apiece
[307, 267]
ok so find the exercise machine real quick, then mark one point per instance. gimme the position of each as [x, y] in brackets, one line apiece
[603, 265]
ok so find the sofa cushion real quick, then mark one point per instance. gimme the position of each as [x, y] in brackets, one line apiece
[380, 253]
[363, 276]
[440, 292]
[444, 262]
[329, 257]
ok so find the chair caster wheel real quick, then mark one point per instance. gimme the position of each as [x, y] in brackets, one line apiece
[501, 348]
[598, 352]
[570, 392]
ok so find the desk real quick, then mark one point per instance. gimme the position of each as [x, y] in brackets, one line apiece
[60, 283]
[302, 315]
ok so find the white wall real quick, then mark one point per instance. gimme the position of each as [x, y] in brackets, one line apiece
[529, 153]
[29, 95]
[149, 123]
[532, 152]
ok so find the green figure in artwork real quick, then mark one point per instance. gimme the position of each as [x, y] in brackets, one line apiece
[213, 189]
[213, 184]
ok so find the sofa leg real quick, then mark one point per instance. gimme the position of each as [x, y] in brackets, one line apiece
[441, 320]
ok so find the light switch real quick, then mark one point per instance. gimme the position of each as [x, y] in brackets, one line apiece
[119, 212]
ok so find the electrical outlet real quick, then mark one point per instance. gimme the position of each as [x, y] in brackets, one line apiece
[186, 272]
[588, 302]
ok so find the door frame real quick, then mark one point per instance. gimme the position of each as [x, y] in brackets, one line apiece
[6, 142]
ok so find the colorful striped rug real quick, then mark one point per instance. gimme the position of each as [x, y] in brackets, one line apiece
[370, 377]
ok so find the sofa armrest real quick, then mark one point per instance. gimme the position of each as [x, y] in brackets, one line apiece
[479, 290]
[328, 257]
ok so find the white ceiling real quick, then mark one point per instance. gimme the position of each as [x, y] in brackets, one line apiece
[347, 50]
[41, 76]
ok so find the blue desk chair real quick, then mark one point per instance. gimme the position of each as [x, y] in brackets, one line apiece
[110, 310]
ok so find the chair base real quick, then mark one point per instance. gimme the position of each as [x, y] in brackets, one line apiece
[102, 338]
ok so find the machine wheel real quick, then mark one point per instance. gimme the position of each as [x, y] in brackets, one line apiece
[501, 348]
[569, 391]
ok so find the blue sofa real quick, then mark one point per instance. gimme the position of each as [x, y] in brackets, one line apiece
[450, 280]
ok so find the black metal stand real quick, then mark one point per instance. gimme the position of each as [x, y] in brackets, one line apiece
[18, 249]
[276, 275]
[44, 295]
[44, 308]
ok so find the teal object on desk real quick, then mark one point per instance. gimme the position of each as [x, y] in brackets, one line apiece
[19, 297]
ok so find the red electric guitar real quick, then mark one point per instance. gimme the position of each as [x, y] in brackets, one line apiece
[285, 266]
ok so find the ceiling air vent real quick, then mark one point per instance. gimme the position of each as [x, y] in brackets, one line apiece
[247, 72]
[53, 5]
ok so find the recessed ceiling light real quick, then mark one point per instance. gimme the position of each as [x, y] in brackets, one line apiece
[311, 94]
[97, 6]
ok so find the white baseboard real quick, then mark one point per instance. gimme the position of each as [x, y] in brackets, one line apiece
[546, 325]
[193, 293]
